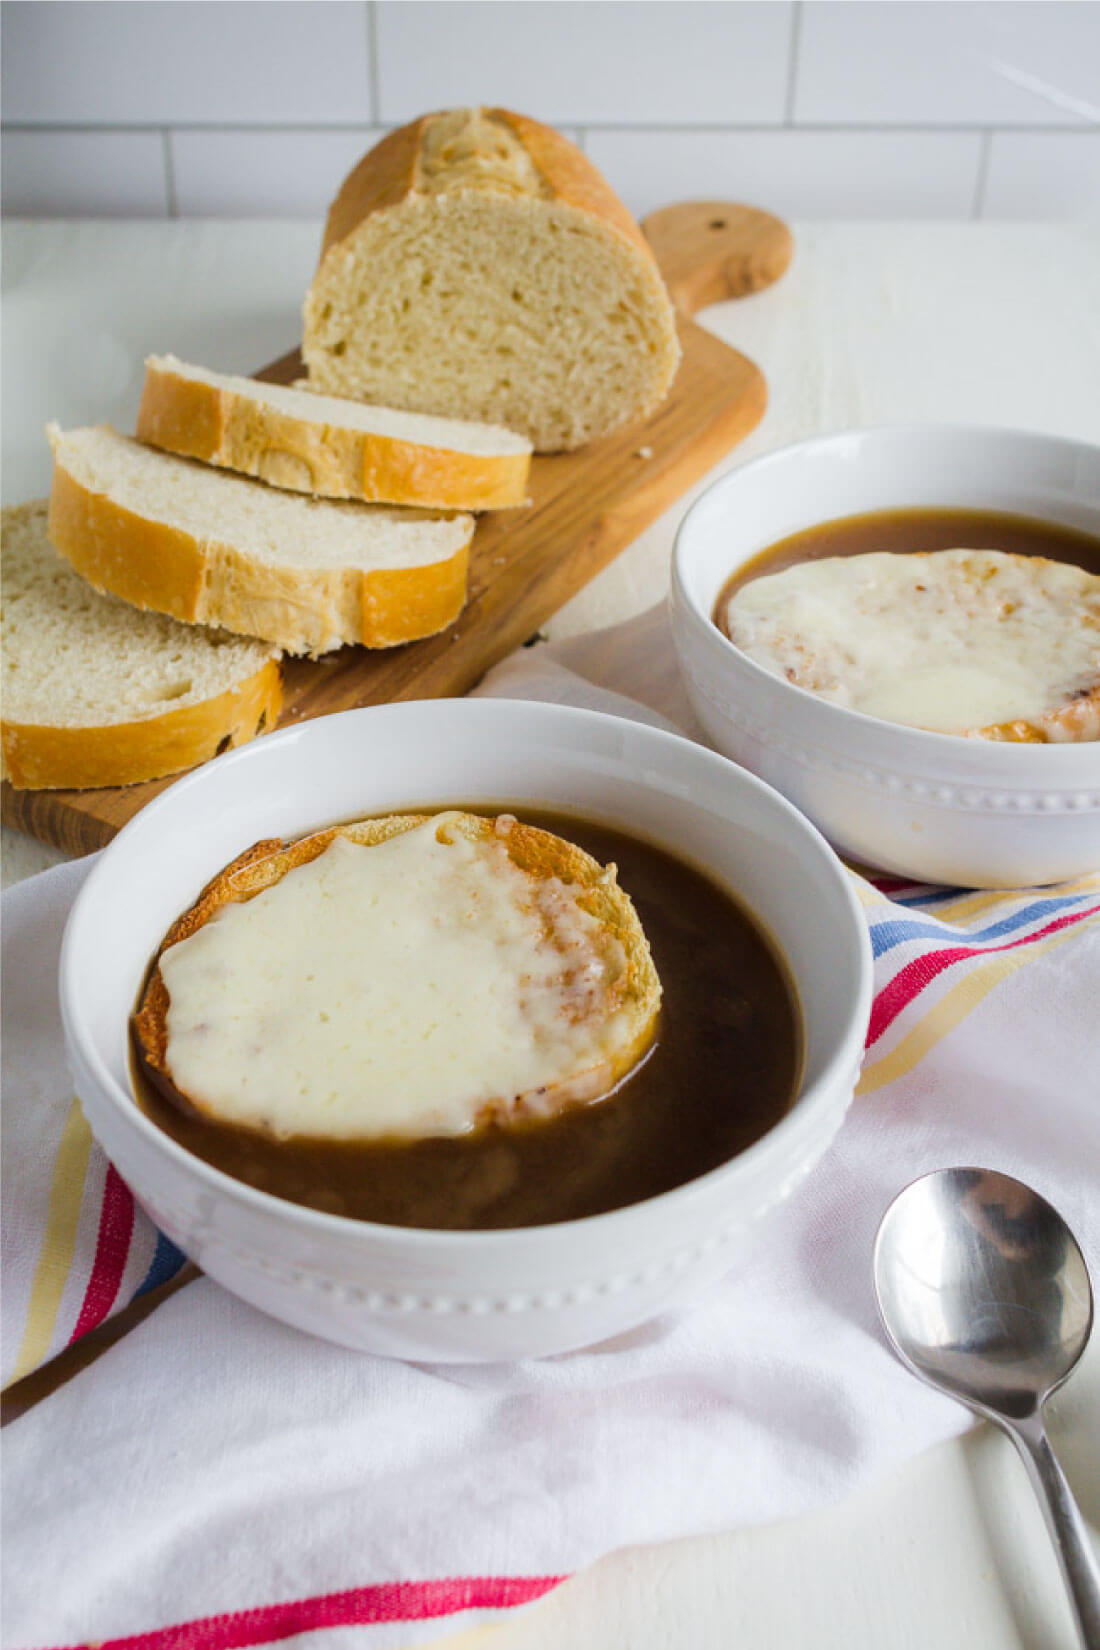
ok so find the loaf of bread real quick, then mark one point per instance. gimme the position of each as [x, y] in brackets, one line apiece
[212, 548]
[97, 693]
[476, 265]
[332, 448]
[463, 971]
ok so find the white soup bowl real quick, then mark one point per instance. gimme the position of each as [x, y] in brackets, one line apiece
[459, 1295]
[930, 806]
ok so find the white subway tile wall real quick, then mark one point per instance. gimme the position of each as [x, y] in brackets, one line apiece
[183, 62]
[1043, 175]
[922, 63]
[84, 174]
[838, 175]
[663, 62]
[815, 108]
[263, 174]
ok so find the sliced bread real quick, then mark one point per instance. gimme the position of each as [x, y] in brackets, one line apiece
[212, 548]
[475, 264]
[335, 448]
[461, 972]
[97, 693]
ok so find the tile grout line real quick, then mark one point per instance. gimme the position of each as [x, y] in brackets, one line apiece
[981, 181]
[169, 172]
[702, 128]
[792, 63]
[374, 93]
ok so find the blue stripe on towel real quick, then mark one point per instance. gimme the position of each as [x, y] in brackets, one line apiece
[166, 1262]
[886, 935]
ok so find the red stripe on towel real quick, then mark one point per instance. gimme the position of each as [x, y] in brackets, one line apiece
[890, 885]
[911, 980]
[390, 1601]
[116, 1226]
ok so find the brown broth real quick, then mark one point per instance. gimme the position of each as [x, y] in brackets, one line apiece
[904, 531]
[723, 1069]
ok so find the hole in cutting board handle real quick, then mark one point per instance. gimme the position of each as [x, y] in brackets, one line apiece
[711, 250]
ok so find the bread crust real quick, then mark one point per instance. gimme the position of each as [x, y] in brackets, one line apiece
[387, 175]
[40, 757]
[231, 431]
[539, 853]
[152, 565]
[145, 562]
[384, 177]
[572, 179]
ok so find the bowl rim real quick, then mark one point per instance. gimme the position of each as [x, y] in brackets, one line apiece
[918, 742]
[809, 1102]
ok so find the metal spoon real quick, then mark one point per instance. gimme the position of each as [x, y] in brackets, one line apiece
[984, 1294]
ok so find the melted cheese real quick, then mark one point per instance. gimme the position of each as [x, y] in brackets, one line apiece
[954, 641]
[397, 989]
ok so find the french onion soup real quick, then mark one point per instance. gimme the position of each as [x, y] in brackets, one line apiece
[886, 614]
[453, 1021]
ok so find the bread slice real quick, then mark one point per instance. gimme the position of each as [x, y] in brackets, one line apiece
[413, 1069]
[212, 548]
[334, 448]
[475, 264]
[97, 693]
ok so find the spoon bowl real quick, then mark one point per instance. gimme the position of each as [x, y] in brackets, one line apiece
[982, 1289]
[984, 1294]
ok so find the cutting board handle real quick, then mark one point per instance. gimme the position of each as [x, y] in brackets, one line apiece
[710, 250]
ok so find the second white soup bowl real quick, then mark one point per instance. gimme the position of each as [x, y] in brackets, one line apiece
[925, 805]
[444, 1294]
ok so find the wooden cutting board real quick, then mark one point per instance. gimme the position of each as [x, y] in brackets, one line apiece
[524, 564]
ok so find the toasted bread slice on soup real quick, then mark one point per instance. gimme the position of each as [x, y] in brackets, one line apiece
[401, 977]
[981, 643]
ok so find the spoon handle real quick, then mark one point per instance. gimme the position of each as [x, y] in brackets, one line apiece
[1067, 1528]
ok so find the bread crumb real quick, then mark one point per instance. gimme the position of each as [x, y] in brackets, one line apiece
[644, 452]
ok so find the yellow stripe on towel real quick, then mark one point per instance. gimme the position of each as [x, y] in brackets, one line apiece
[55, 1258]
[971, 905]
[953, 1008]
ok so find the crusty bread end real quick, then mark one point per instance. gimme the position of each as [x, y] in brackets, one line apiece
[476, 264]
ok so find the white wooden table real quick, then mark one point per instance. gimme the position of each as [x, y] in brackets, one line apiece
[875, 323]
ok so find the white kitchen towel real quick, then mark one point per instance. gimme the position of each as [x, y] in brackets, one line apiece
[216, 1479]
